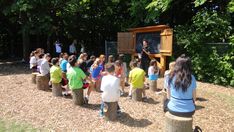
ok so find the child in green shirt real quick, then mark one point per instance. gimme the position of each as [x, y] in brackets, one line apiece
[55, 71]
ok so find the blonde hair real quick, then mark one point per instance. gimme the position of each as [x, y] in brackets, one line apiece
[171, 65]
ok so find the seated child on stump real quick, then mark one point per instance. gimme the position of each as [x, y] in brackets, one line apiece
[75, 75]
[55, 71]
[136, 78]
[110, 87]
[153, 71]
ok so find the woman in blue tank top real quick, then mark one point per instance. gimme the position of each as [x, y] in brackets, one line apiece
[181, 88]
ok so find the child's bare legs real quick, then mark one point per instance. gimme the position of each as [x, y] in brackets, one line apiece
[130, 91]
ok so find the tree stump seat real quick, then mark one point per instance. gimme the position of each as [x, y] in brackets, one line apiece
[56, 89]
[110, 110]
[153, 85]
[33, 77]
[78, 97]
[178, 124]
[42, 82]
[137, 94]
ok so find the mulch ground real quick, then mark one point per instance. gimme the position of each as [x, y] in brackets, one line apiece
[22, 102]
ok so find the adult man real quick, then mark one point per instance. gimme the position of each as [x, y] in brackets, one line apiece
[145, 56]
[58, 48]
[72, 48]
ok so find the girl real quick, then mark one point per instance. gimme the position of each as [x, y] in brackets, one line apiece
[33, 61]
[153, 72]
[181, 89]
[119, 72]
[96, 71]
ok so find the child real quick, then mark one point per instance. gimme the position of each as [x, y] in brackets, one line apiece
[45, 67]
[153, 72]
[110, 59]
[136, 78]
[167, 73]
[119, 72]
[33, 61]
[95, 71]
[110, 87]
[63, 66]
[55, 71]
[102, 62]
[75, 75]
[39, 61]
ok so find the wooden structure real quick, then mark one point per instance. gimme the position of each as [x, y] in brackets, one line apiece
[56, 89]
[178, 124]
[110, 110]
[33, 77]
[127, 42]
[137, 94]
[42, 82]
[78, 97]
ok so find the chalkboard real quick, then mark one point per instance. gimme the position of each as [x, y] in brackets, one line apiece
[153, 39]
[110, 48]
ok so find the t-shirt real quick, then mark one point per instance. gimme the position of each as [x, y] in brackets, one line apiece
[58, 48]
[63, 65]
[55, 74]
[143, 54]
[137, 76]
[33, 62]
[83, 67]
[151, 73]
[110, 87]
[45, 67]
[181, 101]
[95, 72]
[75, 78]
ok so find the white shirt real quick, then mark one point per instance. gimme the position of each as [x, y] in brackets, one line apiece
[72, 48]
[58, 48]
[33, 61]
[45, 67]
[110, 87]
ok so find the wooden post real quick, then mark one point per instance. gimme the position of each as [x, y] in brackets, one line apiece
[163, 64]
[42, 82]
[110, 110]
[78, 97]
[178, 124]
[56, 89]
[33, 77]
[137, 94]
[153, 85]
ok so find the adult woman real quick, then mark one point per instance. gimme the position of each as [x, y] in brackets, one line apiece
[181, 85]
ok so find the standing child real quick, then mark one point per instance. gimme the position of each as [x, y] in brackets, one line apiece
[63, 66]
[167, 74]
[153, 72]
[96, 70]
[110, 87]
[33, 61]
[136, 79]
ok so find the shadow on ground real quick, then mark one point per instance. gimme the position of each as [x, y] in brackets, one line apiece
[13, 68]
[126, 119]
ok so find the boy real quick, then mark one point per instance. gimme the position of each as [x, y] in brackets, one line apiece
[110, 87]
[75, 76]
[136, 79]
[45, 67]
[55, 71]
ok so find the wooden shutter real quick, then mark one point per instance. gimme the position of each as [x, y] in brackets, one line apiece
[166, 42]
[125, 43]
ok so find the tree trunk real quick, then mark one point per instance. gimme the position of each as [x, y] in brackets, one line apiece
[178, 124]
[111, 110]
[42, 82]
[137, 94]
[78, 97]
[25, 38]
[56, 89]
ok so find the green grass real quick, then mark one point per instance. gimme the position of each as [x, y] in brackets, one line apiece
[10, 126]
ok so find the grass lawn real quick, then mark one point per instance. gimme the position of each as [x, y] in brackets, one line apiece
[11, 126]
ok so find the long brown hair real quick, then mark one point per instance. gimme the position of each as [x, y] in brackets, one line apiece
[182, 73]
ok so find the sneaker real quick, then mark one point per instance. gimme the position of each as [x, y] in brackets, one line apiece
[144, 99]
[101, 114]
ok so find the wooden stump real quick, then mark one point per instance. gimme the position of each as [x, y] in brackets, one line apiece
[42, 82]
[110, 110]
[137, 94]
[78, 97]
[56, 89]
[178, 124]
[33, 77]
[153, 85]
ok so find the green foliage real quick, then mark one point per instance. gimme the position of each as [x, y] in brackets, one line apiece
[208, 64]
[231, 6]
[199, 2]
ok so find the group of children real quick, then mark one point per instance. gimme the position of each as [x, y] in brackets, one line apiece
[109, 77]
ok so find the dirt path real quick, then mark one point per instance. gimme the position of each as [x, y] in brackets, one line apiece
[21, 101]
